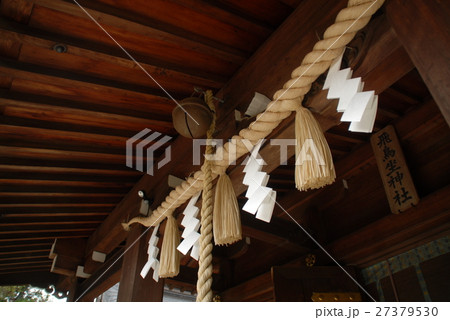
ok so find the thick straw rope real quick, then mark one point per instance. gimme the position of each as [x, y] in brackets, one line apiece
[205, 270]
[336, 37]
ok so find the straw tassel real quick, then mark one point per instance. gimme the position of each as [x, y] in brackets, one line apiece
[314, 166]
[170, 257]
[226, 216]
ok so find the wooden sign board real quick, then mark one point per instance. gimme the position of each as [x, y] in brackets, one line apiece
[394, 172]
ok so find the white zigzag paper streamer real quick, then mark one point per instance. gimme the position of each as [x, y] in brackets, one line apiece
[261, 199]
[359, 107]
[191, 225]
[152, 262]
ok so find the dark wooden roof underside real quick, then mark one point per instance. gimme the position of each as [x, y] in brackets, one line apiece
[65, 118]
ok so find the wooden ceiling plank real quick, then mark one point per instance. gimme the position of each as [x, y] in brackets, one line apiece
[19, 45]
[42, 260]
[117, 27]
[414, 22]
[50, 220]
[97, 184]
[53, 216]
[76, 90]
[23, 269]
[84, 51]
[269, 11]
[188, 19]
[292, 3]
[9, 231]
[57, 209]
[35, 225]
[58, 136]
[8, 255]
[54, 154]
[63, 170]
[5, 247]
[58, 195]
[162, 46]
[69, 176]
[51, 113]
[26, 257]
[49, 234]
[59, 200]
[17, 251]
[52, 236]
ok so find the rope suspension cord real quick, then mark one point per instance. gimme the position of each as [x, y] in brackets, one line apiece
[205, 268]
[349, 20]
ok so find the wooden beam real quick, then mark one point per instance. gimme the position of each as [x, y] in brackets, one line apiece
[394, 234]
[76, 90]
[26, 169]
[5, 246]
[44, 197]
[73, 248]
[60, 155]
[25, 262]
[278, 232]
[259, 288]
[133, 288]
[73, 116]
[53, 217]
[89, 53]
[40, 255]
[20, 250]
[37, 48]
[14, 182]
[47, 15]
[423, 28]
[46, 209]
[296, 203]
[45, 266]
[39, 235]
[65, 265]
[103, 279]
[281, 53]
[172, 18]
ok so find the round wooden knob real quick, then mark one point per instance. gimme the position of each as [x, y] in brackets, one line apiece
[194, 109]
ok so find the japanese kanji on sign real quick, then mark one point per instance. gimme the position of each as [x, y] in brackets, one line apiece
[394, 172]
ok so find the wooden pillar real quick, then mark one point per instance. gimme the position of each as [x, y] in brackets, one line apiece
[132, 287]
[423, 27]
[72, 289]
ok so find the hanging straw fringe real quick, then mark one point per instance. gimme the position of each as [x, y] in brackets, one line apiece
[204, 281]
[314, 166]
[170, 257]
[226, 216]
